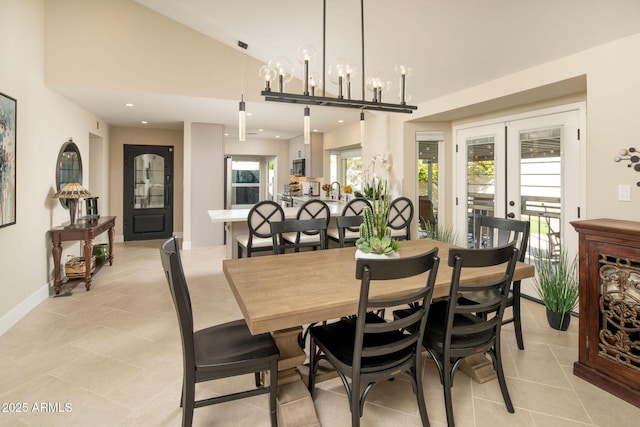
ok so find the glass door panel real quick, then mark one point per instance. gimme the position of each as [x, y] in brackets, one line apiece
[149, 181]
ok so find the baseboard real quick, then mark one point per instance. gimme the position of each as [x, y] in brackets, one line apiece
[23, 308]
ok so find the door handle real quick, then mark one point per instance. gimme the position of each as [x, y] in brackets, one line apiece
[511, 215]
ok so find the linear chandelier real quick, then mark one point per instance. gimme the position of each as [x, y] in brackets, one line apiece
[280, 69]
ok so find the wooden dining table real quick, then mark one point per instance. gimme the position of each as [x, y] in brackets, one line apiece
[280, 293]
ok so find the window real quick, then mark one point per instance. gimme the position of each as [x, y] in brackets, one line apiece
[346, 167]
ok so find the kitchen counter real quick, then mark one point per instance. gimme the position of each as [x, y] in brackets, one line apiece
[236, 219]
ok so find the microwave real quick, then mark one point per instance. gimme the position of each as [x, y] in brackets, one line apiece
[298, 167]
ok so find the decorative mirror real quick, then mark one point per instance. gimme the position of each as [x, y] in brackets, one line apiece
[68, 168]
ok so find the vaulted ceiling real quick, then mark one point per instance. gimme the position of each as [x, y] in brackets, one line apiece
[450, 45]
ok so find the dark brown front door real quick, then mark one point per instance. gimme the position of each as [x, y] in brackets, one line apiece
[148, 192]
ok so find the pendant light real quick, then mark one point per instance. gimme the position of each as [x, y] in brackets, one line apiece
[362, 128]
[242, 121]
[307, 126]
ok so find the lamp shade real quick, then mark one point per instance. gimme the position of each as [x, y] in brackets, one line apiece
[72, 190]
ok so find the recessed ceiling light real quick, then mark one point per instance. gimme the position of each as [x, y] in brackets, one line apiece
[226, 134]
[128, 104]
[260, 130]
[340, 121]
[144, 122]
[315, 130]
[249, 114]
[277, 136]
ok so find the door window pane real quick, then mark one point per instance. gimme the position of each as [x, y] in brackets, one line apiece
[540, 189]
[481, 183]
[149, 181]
[428, 172]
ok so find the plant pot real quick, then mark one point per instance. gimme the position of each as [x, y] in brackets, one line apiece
[365, 255]
[101, 251]
[558, 321]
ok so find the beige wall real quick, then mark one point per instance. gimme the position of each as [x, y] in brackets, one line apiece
[142, 136]
[612, 90]
[44, 122]
[114, 44]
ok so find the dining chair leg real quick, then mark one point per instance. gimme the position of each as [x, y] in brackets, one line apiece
[517, 323]
[497, 358]
[447, 376]
[356, 413]
[273, 392]
[312, 365]
[188, 397]
[419, 391]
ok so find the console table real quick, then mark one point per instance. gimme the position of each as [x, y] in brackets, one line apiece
[609, 349]
[86, 231]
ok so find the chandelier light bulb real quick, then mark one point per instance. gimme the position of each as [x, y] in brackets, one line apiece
[267, 74]
[306, 53]
[284, 70]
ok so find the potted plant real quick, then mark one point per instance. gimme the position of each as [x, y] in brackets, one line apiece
[375, 234]
[557, 286]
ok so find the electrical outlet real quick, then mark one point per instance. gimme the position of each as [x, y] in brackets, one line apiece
[624, 193]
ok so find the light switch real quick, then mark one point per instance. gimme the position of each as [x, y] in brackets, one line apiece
[624, 193]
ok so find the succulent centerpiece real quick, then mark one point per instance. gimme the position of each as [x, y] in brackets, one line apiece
[375, 233]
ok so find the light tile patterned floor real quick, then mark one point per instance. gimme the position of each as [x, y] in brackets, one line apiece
[113, 355]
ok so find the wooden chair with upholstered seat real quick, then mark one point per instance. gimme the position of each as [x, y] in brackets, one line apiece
[219, 351]
[259, 222]
[366, 349]
[454, 331]
[491, 232]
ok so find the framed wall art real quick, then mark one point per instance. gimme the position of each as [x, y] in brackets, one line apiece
[7, 160]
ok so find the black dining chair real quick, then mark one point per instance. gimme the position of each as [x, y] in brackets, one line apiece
[454, 330]
[259, 222]
[491, 232]
[400, 217]
[368, 349]
[351, 232]
[310, 237]
[313, 226]
[219, 351]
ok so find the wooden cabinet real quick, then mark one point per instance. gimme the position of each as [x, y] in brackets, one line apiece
[609, 349]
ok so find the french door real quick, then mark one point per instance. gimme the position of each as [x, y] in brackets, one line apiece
[526, 167]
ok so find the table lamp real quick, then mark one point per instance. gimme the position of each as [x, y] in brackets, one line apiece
[72, 191]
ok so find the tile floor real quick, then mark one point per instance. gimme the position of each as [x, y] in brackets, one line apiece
[112, 357]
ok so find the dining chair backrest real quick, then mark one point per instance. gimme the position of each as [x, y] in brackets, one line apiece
[314, 209]
[400, 215]
[278, 228]
[491, 232]
[345, 223]
[260, 217]
[354, 207]
[172, 265]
